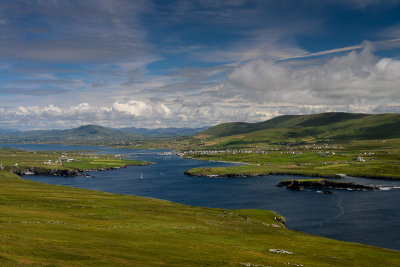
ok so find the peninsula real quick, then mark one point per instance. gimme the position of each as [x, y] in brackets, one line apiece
[319, 145]
[60, 163]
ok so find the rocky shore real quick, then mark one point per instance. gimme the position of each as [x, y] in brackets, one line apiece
[245, 175]
[324, 184]
[56, 172]
[46, 171]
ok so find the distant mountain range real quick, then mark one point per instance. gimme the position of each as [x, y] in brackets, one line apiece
[332, 125]
[93, 133]
[315, 127]
[81, 134]
[8, 131]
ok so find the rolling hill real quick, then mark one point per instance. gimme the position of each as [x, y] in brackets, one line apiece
[332, 125]
[81, 134]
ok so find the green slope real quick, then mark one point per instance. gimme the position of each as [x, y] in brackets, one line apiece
[48, 225]
[335, 126]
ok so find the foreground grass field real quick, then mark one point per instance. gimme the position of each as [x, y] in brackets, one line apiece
[48, 225]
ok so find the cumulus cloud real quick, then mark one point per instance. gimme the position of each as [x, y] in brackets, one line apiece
[354, 78]
[128, 112]
[141, 109]
[82, 111]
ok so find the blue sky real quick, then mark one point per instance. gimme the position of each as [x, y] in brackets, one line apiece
[194, 63]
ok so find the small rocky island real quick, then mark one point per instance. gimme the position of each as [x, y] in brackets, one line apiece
[324, 184]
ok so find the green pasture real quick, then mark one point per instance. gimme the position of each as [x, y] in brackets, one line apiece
[89, 163]
[367, 158]
[15, 159]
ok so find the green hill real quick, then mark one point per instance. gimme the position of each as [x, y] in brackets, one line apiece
[92, 131]
[333, 125]
[86, 133]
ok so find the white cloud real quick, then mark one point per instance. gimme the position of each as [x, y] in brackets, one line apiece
[138, 108]
[127, 112]
[355, 78]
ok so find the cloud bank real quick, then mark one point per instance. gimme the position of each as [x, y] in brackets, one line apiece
[352, 79]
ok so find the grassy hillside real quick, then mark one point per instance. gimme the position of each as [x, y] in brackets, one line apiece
[333, 126]
[91, 130]
[43, 225]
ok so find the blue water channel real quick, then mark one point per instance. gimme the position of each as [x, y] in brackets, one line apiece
[368, 217]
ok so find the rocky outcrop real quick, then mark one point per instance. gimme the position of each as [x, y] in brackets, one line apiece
[46, 171]
[227, 175]
[324, 184]
[245, 175]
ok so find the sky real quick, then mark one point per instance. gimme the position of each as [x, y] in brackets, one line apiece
[194, 63]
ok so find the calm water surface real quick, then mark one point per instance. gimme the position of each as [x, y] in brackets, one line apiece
[359, 216]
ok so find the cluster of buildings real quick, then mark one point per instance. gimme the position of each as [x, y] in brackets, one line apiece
[226, 151]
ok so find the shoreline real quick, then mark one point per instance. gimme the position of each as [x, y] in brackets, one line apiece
[66, 172]
[249, 175]
[220, 161]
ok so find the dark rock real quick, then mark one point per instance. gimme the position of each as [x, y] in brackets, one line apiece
[324, 184]
[46, 171]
